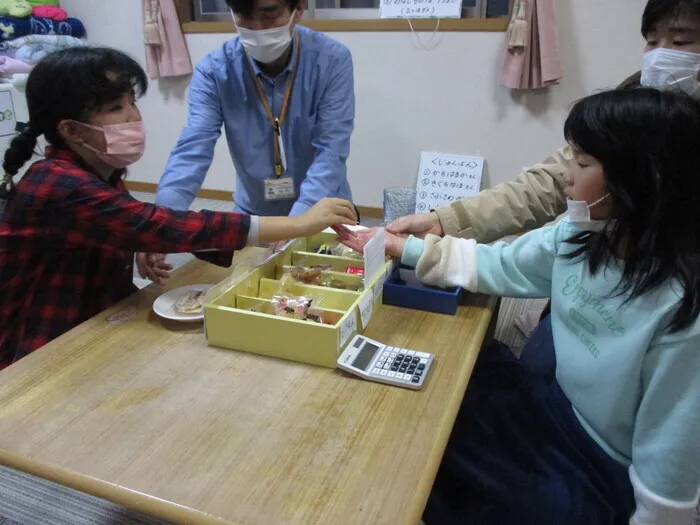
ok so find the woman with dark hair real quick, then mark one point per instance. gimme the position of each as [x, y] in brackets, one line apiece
[69, 228]
[610, 433]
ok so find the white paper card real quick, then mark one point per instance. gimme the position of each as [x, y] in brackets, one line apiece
[8, 121]
[348, 328]
[375, 255]
[420, 9]
[366, 303]
[443, 179]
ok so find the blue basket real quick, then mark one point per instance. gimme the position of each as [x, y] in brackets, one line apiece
[406, 295]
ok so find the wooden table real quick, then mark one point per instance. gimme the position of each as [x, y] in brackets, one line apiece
[147, 415]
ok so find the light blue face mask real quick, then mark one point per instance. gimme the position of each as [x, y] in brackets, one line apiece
[579, 213]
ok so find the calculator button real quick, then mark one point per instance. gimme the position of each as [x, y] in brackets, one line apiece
[392, 374]
[423, 361]
[407, 377]
[416, 360]
[411, 352]
[394, 368]
[377, 370]
[393, 354]
[422, 355]
[411, 370]
[419, 372]
[383, 373]
[416, 379]
[402, 354]
[421, 366]
[387, 366]
[403, 369]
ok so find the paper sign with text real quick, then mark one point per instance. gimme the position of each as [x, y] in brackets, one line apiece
[8, 121]
[375, 255]
[443, 179]
[348, 328]
[420, 9]
[366, 305]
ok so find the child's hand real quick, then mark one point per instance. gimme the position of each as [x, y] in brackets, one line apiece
[393, 244]
[419, 225]
[325, 213]
[153, 266]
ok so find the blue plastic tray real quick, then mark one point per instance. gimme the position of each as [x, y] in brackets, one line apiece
[399, 293]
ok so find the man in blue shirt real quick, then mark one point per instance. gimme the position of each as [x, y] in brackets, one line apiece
[285, 97]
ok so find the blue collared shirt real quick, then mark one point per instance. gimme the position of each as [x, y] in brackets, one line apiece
[316, 129]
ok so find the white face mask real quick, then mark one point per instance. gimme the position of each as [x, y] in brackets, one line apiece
[579, 213]
[266, 45]
[670, 69]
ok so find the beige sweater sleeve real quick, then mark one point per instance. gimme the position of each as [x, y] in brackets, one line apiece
[535, 198]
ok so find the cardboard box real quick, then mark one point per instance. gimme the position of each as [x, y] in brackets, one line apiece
[242, 317]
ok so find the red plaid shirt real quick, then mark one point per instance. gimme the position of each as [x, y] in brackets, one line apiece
[67, 243]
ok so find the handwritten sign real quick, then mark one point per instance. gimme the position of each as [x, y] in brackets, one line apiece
[8, 121]
[446, 178]
[375, 255]
[366, 304]
[420, 9]
[347, 328]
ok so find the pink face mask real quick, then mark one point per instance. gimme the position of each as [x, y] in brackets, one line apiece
[125, 143]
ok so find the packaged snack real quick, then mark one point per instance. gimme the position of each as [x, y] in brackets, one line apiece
[337, 249]
[291, 306]
[354, 271]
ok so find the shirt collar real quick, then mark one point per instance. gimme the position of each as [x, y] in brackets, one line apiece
[68, 155]
[290, 65]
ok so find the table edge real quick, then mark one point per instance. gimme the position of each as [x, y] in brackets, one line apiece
[451, 408]
[128, 498]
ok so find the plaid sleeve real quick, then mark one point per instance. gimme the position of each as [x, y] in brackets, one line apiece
[101, 215]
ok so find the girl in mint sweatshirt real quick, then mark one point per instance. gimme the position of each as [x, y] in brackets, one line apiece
[610, 433]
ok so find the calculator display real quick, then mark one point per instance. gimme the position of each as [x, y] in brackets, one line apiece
[365, 356]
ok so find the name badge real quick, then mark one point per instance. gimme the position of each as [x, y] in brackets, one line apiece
[279, 189]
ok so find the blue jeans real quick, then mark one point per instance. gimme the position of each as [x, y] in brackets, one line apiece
[519, 456]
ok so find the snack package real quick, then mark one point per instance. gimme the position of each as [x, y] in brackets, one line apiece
[296, 307]
[315, 276]
[337, 249]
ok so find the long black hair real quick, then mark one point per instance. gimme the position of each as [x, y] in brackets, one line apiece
[70, 85]
[648, 143]
[659, 10]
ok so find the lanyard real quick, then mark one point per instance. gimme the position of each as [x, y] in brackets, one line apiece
[276, 122]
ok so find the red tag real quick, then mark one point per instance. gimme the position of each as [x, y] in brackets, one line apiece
[354, 271]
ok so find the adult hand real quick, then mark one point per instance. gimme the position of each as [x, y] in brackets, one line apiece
[326, 212]
[393, 244]
[153, 266]
[418, 225]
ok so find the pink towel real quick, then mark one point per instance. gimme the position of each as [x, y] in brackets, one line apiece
[49, 11]
[170, 57]
[10, 66]
[537, 63]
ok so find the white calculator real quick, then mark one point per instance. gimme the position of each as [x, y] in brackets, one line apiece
[385, 364]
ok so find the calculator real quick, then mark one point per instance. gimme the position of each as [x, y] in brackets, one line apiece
[385, 364]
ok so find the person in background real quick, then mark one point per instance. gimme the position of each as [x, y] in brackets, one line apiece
[608, 435]
[69, 228]
[284, 94]
[671, 60]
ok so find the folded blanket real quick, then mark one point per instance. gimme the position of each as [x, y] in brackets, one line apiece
[11, 28]
[19, 8]
[49, 11]
[31, 49]
[10, 66]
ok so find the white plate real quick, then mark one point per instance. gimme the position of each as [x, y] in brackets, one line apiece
[165, 304]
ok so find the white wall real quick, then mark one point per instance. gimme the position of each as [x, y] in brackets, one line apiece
[409, 99]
